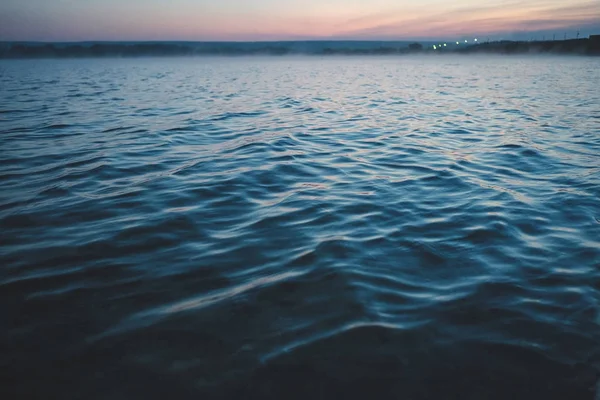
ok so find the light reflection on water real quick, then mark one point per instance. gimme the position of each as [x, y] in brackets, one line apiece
[300, 227]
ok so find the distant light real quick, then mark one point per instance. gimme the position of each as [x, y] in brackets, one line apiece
[466, 41]
[457, 42]
[476, 39]
[434, 47]
[444, 44]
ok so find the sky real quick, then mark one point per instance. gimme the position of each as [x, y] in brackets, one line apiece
[253, 20]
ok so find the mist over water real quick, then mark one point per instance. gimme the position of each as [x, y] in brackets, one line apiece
[270, 228]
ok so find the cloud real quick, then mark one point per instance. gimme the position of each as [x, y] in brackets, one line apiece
[490, 20]
[311, 19]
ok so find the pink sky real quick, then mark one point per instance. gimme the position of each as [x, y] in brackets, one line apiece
[72, 20]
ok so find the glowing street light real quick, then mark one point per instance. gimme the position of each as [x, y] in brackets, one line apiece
[444, 44]
[434, 47]
[466, 41]
[475, 39]
[457, 42]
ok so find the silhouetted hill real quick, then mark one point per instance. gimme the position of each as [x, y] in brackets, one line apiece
[160, 49]
[117, 49]
[574, 46]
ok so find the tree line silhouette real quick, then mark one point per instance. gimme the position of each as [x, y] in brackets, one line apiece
[49, 50]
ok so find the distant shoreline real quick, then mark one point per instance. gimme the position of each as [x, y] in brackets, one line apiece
[32, 50]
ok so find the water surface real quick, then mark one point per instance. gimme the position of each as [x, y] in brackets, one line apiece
[270, 228]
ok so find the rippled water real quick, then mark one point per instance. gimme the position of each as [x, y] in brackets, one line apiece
[407, 228]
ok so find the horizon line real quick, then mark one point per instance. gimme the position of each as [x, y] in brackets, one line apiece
[433, 40]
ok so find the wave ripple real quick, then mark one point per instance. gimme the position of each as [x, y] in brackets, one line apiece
[300, 227]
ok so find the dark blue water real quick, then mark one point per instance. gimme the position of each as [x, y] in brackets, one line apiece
[274, 228]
